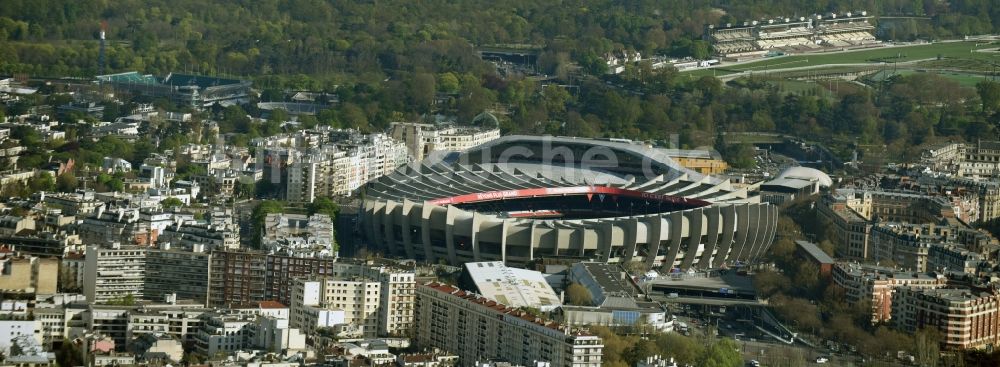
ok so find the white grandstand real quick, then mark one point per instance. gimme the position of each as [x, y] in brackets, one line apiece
[802, 34]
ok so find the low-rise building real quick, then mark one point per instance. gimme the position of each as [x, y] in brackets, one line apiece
[815, 255]
[157, 348]
[706, 162]
[223, 332]
[617, 301]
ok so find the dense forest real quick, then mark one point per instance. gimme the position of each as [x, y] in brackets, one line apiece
[339, 41]
[389, 60]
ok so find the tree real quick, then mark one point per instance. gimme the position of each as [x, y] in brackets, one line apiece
[67, 182]
[682, 349]
[723, 353]
[258, 215]
[447, 83]
[927, 347]
[579, 295]
[989, 94]
[42, 182]
[171, 202]
[323, 205]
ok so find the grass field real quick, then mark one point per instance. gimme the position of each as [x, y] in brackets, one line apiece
[956, 50]
[967, 80]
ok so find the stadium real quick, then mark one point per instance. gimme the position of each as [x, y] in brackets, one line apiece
[520, 199]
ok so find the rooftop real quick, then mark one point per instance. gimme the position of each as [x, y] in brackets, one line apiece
[608, 277]
[814, 251]
[494, 305]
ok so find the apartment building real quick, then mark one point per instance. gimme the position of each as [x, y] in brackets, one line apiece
[114, 272]
[224, 332]
[477, 328]
[966, 318]
[242, 277]
[359, 298]
[397, 301]
[388, 292]
[851, 230]
[420, 139]
[981, 160]
[178, 273]
[128, 226]
[201, 235]
[326, 162]
[950, 258]
[180, 321]
[238, 278]
[28, 274]
[305, 235]
[875, 284]
[281, 270]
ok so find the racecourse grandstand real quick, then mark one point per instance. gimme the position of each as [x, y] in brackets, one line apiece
[847, 30]
[735, 41]
[792, 35]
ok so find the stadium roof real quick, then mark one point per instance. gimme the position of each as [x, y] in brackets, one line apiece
[132, 77]
[198, 80]
[808, 174]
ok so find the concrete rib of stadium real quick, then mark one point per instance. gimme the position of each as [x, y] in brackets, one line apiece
[564, 198]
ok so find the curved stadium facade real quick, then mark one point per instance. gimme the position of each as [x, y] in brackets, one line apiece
[522, 198]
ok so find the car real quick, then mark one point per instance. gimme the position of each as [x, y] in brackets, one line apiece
[822, 360]
[754, 363]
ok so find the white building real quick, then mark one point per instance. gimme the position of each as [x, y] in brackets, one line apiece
[224, 332]
[274, 335]
[511, 286]
[297, 233]
[326, 162]
[359, 299]
[421, 139]
[114, 272]
[322, 302]
[13, 328]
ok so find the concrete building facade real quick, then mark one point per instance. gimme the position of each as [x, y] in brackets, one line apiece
[477, 328]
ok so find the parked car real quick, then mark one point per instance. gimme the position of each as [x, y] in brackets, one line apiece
[822, 360]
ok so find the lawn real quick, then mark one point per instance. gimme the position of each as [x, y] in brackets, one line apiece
[957, 50]
[967, 80]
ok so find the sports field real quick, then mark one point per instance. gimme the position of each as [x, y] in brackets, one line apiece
[954, 50]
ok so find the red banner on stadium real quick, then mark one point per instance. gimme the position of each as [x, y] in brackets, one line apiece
[562, 191]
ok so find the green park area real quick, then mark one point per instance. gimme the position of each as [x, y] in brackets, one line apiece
[965, 52]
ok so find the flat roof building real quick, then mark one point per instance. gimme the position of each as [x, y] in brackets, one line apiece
[511, 286]
[477, 328]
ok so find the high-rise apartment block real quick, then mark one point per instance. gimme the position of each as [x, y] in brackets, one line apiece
[477, 328]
